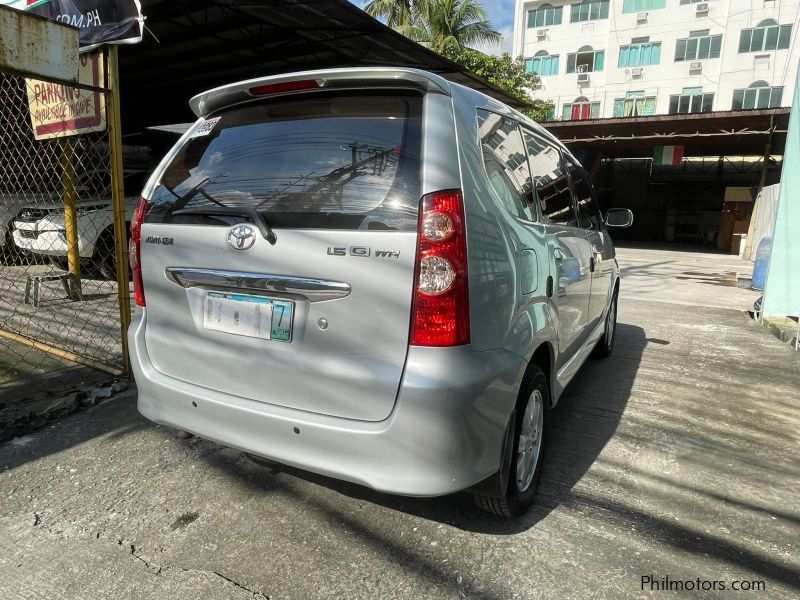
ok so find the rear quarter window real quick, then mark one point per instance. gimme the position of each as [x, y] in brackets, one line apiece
[317, 161]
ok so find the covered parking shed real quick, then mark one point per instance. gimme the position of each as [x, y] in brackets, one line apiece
[706, 196]
[190, 46]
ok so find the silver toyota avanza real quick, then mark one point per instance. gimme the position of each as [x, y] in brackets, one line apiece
[373, 274]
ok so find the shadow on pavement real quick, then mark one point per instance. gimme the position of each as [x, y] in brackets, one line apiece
[28, 373]
[116, 418]
[580, 426]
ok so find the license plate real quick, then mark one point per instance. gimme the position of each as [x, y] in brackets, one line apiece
[251, 316]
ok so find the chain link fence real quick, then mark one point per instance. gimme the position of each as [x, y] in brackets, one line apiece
[59, 311]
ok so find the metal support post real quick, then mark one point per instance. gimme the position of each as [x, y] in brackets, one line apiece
[70, 216]
[118, 199]
[767, 152]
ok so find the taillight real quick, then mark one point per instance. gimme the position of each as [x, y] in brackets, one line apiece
[440, 310]
[281, 88]
[134, 250]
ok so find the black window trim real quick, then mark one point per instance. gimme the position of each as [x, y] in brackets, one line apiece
[585, 173]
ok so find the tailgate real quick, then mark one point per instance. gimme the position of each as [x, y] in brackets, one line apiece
[278, 253]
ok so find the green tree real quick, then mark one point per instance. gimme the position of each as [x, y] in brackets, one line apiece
[397, 13]
[506, 73]
[450, 25]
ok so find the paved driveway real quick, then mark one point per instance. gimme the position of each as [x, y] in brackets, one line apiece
[677, 457]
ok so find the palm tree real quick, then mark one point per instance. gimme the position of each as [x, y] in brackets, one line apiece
[450, 25]
[398, 13]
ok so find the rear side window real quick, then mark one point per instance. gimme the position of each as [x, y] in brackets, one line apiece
[550, 181]
[504, 159]
[321, 161]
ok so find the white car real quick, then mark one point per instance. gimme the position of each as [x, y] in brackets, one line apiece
[10, 207]
[39, 229]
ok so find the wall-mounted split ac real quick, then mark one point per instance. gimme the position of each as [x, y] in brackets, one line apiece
[695, 68]
[702, 9]
[637, 73]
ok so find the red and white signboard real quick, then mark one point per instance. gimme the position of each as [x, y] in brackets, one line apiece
[60, 110]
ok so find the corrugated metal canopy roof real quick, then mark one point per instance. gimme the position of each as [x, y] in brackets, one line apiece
[741, 133]
[194, 45]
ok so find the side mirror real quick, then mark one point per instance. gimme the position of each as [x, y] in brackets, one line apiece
[619, 217]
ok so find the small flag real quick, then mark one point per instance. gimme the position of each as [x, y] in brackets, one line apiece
[667, 155]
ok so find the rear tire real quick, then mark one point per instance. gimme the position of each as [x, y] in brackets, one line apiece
[104, 260]
[528, 449]
[59, 262]
[605, 345]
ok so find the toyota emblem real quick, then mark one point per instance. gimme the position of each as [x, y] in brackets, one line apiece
[242, 237]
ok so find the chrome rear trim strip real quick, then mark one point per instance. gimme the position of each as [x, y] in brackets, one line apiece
[316, 290]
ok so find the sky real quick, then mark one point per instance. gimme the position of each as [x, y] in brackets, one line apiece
[501, 15]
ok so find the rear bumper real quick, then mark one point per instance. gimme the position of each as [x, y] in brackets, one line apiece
[445, 433]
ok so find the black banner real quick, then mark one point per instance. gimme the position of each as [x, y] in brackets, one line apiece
[99, 21]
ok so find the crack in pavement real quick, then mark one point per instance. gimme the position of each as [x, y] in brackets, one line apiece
[151, 567]
[157, 569]
[257, 595]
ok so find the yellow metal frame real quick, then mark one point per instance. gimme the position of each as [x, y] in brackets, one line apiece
[70, 356]
[118, 200]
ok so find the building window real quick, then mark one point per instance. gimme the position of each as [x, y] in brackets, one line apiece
[692, 100]
[580, 110]
[639, 53]
[698, 46]
[545, 15]
[635, 104]
[588, 10]
[767, 35]
[585, 60]
[635, 6]
[758, 94]
[542, 64]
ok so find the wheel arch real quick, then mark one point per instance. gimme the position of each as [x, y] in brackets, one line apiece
[544, 358]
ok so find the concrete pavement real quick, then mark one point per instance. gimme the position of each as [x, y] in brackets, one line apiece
[677, 457]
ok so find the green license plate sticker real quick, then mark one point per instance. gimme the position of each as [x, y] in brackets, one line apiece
[250, 316]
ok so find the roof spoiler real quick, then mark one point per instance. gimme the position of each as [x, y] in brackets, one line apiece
[236, 93]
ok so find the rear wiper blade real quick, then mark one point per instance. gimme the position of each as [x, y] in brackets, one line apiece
[252, 213]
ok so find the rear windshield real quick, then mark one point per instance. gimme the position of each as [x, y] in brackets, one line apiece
[320, 161]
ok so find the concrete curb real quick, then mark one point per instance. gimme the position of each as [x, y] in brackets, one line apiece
[783, 328]
[24, 417]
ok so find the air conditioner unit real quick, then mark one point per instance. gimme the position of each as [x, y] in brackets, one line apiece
[695, 67]
[641, 17]
[541, 34]
[637, 72]
[583, 68]
[702, 8]
[583, 77]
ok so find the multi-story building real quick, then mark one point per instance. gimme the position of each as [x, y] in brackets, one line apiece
[604, 58]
